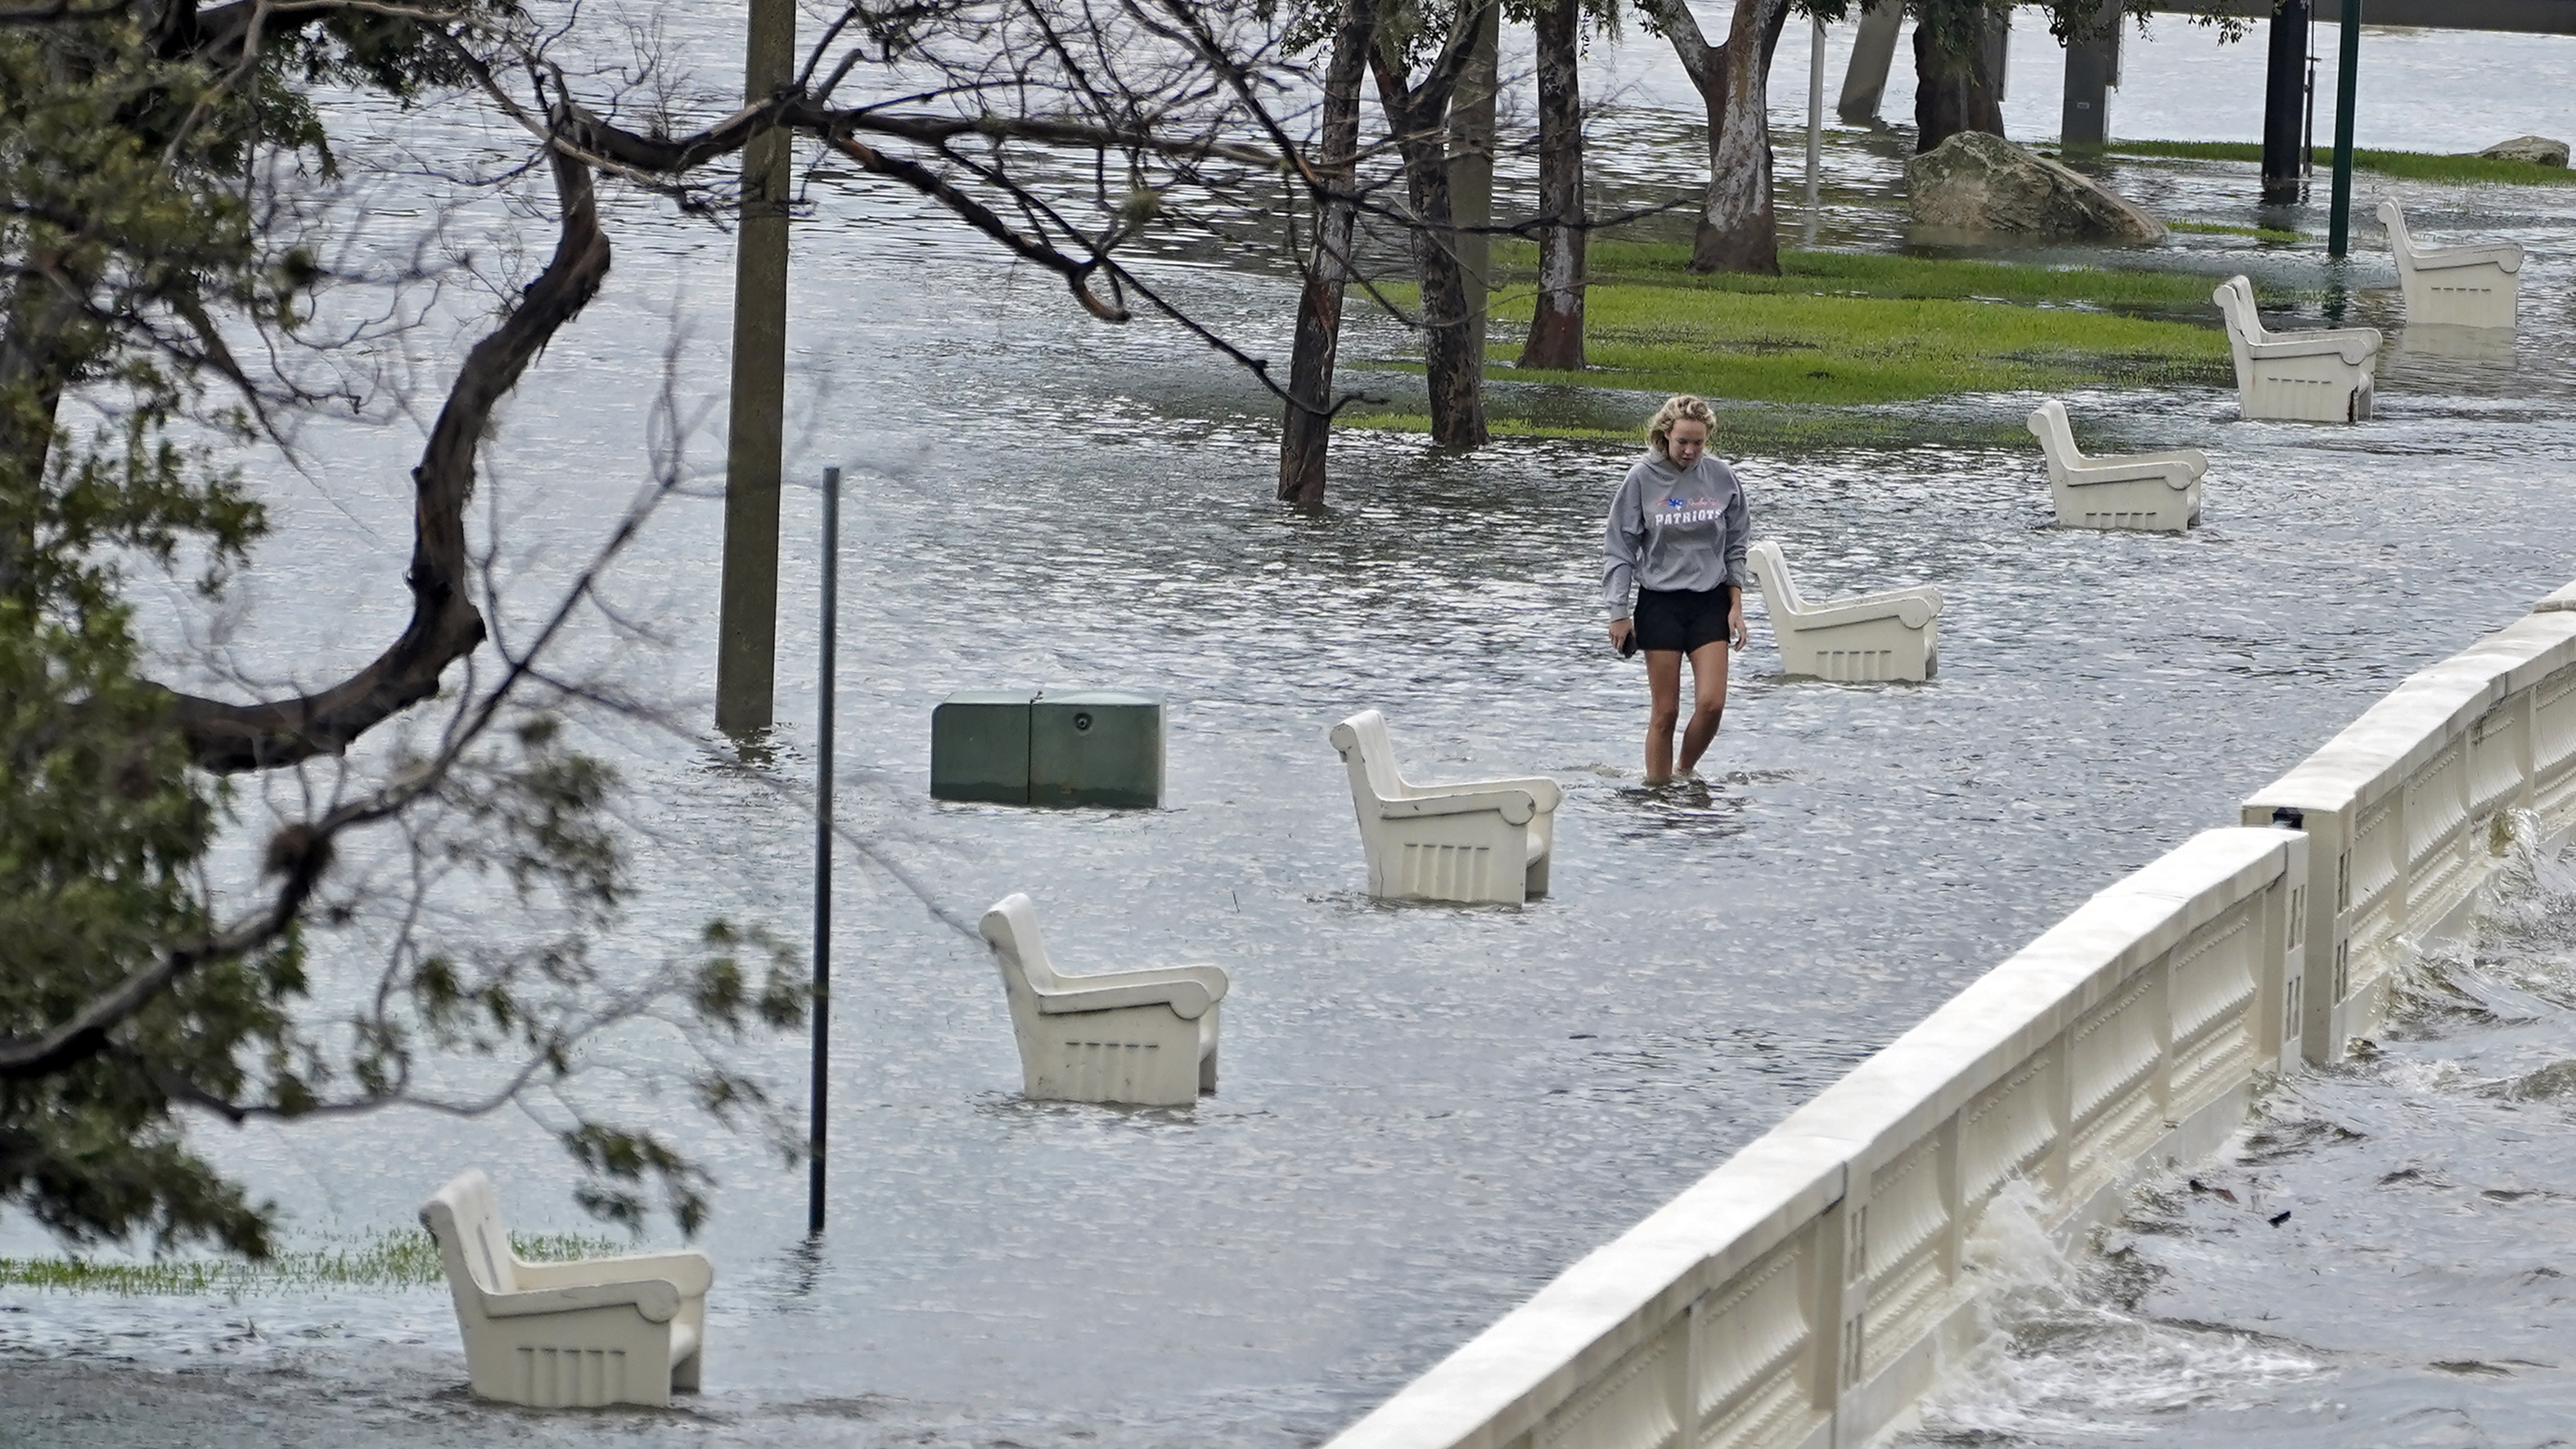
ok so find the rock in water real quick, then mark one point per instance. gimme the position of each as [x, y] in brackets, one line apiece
[2538, 150]
[1976, 181]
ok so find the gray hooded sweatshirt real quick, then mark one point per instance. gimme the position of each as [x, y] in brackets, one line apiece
[1672, 528]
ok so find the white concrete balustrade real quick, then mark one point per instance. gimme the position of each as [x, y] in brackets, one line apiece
[2469, 286]
[2155, 492]
[2317, 377]
[1892, 634]
[2407, 809]
[1806, 1292]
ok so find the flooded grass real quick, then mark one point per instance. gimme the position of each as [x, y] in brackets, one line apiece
[379, 1260]
[1603, 414]
[2411, 165]
[1843, 351]
[1614, 263]
[1839, 330]
[2220, 228]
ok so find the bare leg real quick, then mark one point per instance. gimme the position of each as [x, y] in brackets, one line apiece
[1708, 704]
[1664, 689]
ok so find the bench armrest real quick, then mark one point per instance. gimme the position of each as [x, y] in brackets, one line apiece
[654, 1298]
[2353, 343]
[2172, 475]
[1188, 990]
[2191, 458]
[1913, 609]
[2507, 255]
[693, 1273]
[1515, 805]
[1544, 792]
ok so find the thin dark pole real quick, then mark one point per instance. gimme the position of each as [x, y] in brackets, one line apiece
[821, 1089]
[2347, 86]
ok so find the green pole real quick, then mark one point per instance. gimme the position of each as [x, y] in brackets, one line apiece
[2347, 82]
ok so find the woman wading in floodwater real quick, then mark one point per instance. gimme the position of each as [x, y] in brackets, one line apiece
[1676, 537]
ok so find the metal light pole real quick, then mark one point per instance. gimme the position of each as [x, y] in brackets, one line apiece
[2347, 85]
[820, 1090]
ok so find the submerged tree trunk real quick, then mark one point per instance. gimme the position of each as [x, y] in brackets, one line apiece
[1471, 178]
[31, 393]
[1306, 434]
[1556, 327]
[1419, 116]
[1955, 85]
[1737, 231]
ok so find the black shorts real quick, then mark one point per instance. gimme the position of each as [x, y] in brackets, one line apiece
[1683, 619]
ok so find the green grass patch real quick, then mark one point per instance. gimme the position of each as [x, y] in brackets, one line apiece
[1865, 274]
[1838, 350]
[375, 1260]
[2220, 228]
[2411, 165]
[1837, 330]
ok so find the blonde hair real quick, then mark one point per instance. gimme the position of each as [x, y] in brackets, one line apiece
[1679, 408]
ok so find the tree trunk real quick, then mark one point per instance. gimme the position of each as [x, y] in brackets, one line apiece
[31, 393]
[1556, 327]
[1737, 231]
[1306, 433]
[1419, 117]
[1954, 86]
[1471, 177]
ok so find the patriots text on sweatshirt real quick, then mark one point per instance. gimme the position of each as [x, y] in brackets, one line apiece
[1672, 528]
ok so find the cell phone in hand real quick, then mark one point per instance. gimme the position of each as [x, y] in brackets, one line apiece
[1628, 645]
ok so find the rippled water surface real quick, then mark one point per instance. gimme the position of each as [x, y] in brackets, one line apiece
[1427, 1111]
[2415, 1287]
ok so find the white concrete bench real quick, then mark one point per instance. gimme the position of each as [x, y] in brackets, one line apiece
[2474, 286]
[1483, 840]
[628, 1330]
[1143, 1037]
[1887, 635]
[2154, 491]
[2317, 377]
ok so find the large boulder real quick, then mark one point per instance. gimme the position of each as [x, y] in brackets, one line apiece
[2538, 150]
[1980, 182]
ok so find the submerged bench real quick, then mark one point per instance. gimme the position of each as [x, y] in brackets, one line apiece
[626, 1330]
[2472, 286]
[1475, 841]
[1862, 637]
[2317, 377]
[2159, 492]
[1142, 1037]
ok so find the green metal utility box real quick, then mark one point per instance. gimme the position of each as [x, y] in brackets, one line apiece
[979, 746]
[1096, 747]
[1021, 747]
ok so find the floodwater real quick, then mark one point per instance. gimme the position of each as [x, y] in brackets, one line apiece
[2381, 1257]
[1427, 1111]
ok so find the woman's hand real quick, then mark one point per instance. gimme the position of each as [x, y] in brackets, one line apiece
[1735, 622]
[1620, 629]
